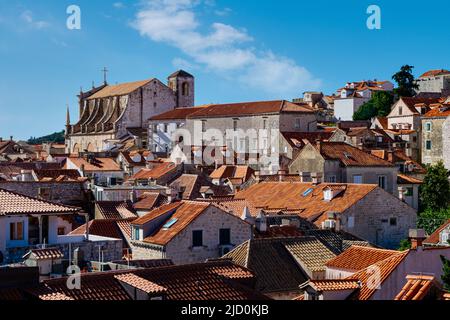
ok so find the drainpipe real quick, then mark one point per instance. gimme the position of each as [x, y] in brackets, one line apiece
[40, 228]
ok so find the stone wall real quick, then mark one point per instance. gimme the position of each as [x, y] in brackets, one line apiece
[436, 137]
[370, 219]
[180, 250]
[446, 143]
[66, 192]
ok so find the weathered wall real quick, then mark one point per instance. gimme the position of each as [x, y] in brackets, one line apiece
[371, 219]
[435, 136]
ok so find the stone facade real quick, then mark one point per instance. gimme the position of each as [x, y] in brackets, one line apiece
[180, 249]
[107, 114]
[433, 138]
[379, 218]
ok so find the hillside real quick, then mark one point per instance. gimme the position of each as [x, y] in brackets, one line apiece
[56, 137]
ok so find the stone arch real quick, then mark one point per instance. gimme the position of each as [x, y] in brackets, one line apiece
[185, 89]
[90, 147]
[76, 148]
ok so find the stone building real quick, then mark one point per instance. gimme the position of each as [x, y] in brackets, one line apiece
[436, 134]
[364, 210]
[187, 232]
[434, 81]
[110, 112]
[338, 162]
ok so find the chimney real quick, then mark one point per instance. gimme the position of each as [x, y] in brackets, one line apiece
[11, 138]
[86, 231]
[417, 236]
[261, 222]
[316, 178]
[401, 193]
[257, 176]
[133, 196]
[246, 216]
[319, 145]
[281, 175]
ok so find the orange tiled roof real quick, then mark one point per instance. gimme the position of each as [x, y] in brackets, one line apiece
[49, 253]
[149, 201]
[158, 171]
[405, 179]
[213, 280]
[116, 209]
[416, 287]
[97, 164]
[14, 203]
[100, 227]
[436, 112]
[236, 172]
[187, 212]
[289, 196]
[334, 285]
[434, 73]
[351, 156]
[250, 108]
[386, 268]
[140, 283]
[357, 258]
[156, 213]
[178, 113]
[434, 237]
[119, 89]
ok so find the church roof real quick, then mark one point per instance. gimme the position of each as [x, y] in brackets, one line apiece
[119, 89]
[181, 73]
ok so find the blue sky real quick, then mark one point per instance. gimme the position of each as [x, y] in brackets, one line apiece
[238, 50]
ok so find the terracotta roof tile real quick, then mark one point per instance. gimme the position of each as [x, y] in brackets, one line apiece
[178, 114]
[357, 258]
[187, 212]
[101, 227]
[434, 237]
[157, 213]
[149, 201]
[334, 285]
[434, 73]
[416, 287]
[250, 108]
[439, 111]
[157, 172]
[351, 156]
[119, 89]
[14, 203]
[216, 280]
[303, 197]
[310, 253]
[140, 283]
[405, 179]
[386, 267]
[97, 164]
[116, 209]
[49, 253]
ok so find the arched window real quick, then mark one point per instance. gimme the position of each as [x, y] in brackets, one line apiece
[185, 89]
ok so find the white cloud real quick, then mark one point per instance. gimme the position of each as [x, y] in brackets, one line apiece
[224, 49]
[118, 5]
[223, 12]
[27, 17]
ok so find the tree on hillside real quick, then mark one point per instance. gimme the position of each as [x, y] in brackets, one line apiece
[378, 106]
[435, 190]
[405, 81]
[57, 137]
[446, 273]
[431, 220]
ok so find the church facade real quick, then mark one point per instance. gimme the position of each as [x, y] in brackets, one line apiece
[110, 113]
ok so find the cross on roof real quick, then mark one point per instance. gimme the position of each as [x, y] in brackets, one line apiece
[105, 72]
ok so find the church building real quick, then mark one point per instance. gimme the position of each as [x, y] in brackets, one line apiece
[110, 113]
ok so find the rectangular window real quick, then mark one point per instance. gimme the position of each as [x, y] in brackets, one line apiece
[61, 231]
[357, 179]
[136, 234]
[428, 126]
[197, 238]
[235, 125]
[264, 124]
[204, 126]
[428, 144]
[297, 123]
[382, 182]
[224, 237]
[155, 128]
[165, 128]
[393, 221]
[16, 231]
[409, 192]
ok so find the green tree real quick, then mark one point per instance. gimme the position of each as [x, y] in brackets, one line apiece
[431, 220]
[405, 81]
[405, 244]
[435, 190]
[446, 273]
[378, 106]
